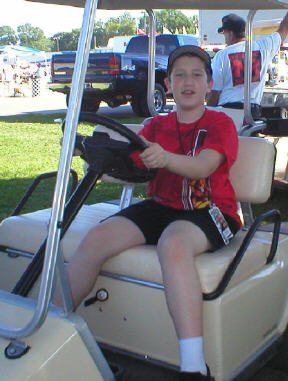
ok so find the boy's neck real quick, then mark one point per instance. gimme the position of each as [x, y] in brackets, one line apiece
[190, 116]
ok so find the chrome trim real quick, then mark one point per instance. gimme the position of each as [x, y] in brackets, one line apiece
[248, 69]
[14, 253]
[125, 278]
[151, 62]
[126, 196]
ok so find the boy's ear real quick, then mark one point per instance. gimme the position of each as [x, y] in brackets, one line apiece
[210, 85]
[168, 85]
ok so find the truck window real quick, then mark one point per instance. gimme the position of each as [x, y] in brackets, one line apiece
[164, 44]
[189, 40]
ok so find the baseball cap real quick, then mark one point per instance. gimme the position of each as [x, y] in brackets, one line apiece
[189, 49]
[232, 22]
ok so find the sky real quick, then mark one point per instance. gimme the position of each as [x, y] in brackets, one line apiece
[52, 18]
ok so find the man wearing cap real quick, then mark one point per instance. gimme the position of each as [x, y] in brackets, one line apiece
[228, 64]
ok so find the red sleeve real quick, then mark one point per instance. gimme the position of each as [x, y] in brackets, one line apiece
[148, 132]
[222, 137]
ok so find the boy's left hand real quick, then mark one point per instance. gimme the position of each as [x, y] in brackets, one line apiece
[154, 156]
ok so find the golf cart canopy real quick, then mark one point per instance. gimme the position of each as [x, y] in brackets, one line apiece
[176, 4]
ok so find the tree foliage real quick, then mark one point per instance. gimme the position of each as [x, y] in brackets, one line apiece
[173, 21]
[7, 35]
[34, 37]
[123, 25]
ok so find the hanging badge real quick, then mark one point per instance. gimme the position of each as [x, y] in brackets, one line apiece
[221, 224]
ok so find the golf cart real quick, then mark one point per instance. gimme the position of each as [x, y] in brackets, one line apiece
[245, 285]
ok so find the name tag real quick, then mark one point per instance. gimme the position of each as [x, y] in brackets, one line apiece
[221, 224]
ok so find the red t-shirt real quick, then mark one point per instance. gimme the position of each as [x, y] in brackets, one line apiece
[215, 130]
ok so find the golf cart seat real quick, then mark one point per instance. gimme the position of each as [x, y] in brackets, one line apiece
[252, 182]
[127, 310]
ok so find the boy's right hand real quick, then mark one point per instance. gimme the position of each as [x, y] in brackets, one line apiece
[154, 156]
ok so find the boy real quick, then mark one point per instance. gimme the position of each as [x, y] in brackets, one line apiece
[193, 150]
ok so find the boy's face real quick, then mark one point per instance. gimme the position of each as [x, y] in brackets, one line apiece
[188, 82]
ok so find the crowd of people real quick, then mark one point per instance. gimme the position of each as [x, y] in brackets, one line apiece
[16, 76]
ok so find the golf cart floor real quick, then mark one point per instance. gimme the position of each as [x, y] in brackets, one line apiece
[140, 370]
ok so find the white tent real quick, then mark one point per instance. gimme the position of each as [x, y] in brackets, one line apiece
[10, 53]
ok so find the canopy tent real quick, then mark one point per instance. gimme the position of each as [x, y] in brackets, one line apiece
[176, 4]
[10, 53]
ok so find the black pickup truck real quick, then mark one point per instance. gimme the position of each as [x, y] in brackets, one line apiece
[118, 78]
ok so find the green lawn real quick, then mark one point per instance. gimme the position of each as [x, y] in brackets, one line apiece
[29, 146]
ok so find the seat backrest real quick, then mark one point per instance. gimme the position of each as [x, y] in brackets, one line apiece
[252, 173]
[237, 115]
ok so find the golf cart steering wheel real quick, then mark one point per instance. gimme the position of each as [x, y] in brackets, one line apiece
[112, 125]
[111, 156]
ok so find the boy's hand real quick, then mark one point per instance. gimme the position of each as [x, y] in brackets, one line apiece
[154, 156]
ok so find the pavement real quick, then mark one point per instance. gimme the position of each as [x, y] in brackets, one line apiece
[50, 103]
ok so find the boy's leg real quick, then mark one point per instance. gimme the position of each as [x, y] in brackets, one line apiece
[101, 243]
[179, 244]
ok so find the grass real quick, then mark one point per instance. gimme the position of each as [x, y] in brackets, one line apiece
[29, 146]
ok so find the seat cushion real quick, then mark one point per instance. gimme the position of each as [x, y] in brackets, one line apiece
[142, 262]
[27, 232]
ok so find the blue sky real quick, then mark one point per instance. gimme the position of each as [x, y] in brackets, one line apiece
[51, 18]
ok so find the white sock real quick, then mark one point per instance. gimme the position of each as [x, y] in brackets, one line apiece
[192, 355]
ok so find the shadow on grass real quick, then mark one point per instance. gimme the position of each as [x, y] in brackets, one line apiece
[13, 190]
[49, 118]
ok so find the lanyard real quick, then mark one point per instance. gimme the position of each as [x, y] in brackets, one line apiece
[193, 136]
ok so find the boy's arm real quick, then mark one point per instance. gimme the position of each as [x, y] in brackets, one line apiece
[197, 167]
[213, 98]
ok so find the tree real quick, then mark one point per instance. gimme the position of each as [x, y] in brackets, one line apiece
[173, 20]
[99, 35]
[65, 41]
[33, 37]
[7, 35]
[123, 25]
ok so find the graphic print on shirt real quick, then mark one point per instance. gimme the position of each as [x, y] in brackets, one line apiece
[237, 67]
[196, 193]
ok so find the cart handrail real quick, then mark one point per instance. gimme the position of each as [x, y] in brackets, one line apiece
[62, 181]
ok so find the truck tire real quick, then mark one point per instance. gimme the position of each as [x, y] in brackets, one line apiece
[139, 102]
[88, 105]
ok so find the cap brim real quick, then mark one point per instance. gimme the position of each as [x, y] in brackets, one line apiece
[189, 49]
[221, 30]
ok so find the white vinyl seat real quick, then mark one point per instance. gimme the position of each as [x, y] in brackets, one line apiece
[251, 176]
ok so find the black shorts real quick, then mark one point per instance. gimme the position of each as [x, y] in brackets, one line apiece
[152, 218]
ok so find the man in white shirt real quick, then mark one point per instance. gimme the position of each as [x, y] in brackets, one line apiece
[228, 64]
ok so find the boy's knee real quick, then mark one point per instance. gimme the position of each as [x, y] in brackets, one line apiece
[170, 248]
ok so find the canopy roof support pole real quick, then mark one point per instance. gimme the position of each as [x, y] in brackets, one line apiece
[248, 69]
[61, 186]
[151, 62]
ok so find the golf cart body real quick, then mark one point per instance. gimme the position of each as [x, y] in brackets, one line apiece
[245, 285]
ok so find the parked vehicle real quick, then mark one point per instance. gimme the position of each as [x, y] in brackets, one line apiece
[118, 78]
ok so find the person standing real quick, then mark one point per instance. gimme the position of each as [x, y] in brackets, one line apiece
[228, 64]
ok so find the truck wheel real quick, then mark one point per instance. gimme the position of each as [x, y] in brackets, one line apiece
[139, 102]
[135, 104]
[88, 105]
